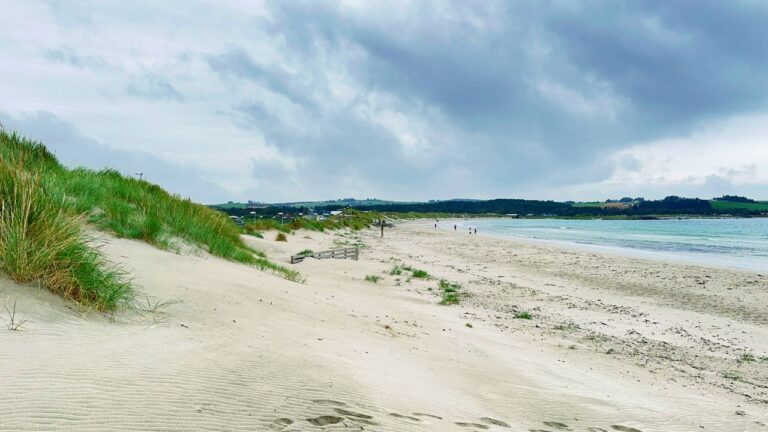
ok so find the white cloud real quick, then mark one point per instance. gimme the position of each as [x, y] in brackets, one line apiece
[735, 149]
[723, 157]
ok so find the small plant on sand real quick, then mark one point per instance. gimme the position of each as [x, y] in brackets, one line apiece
[746, 358]
[372, 278]
[281, 237]
[444, 285]
[450, 299]
[764, 359]
[306, 252]
[523, 315]
[419, 274]
[450, 292]
[468, 325]
[14, 324]
[567, 326]
[731, 375]
[396, 271]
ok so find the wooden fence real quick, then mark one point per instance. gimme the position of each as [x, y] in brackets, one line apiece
[346, 253]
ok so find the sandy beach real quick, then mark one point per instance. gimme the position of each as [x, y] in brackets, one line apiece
[614, 343]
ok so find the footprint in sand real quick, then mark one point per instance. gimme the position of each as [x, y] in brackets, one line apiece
[400, 416]
[556, 425]
[328, 402]
[625, 428]
[352, 414]
[428, 415]
[495, 422]
[280, 424]
[472, 425]
[325, 420]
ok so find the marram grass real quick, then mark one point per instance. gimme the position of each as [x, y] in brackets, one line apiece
[40, 242]
[44, 208]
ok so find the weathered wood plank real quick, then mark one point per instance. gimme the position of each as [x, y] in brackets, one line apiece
[345, 253]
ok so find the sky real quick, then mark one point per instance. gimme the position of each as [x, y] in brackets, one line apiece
[307, 100]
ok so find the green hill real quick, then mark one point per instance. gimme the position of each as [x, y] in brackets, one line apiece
[758, 206]
[46, 206]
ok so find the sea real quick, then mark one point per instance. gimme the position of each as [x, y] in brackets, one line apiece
[731, 243]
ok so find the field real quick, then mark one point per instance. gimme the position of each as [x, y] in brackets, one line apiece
[731, 205]
[589, 204]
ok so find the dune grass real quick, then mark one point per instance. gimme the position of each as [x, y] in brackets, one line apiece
[349, 218]
[40, 242]
[449, 291]
[45, 207]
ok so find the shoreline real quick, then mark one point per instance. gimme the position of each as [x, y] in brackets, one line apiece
[750, 264]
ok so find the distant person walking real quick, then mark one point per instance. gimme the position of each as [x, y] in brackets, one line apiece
[454, 227]
[435, 225]
[475, 230]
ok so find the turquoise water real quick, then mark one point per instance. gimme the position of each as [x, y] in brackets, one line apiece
[740, 243]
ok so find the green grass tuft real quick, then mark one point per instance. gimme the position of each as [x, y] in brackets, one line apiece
[523, 315]
[373, 278]
[747, 358]
[281, 237]
[450, 292]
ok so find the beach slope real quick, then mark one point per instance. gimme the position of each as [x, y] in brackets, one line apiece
[612, 344]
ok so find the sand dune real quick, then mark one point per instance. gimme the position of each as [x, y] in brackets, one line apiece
[241, 349]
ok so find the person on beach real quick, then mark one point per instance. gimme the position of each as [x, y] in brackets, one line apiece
[435, 225]
[454, 227]
[475, 230]
[470, 230]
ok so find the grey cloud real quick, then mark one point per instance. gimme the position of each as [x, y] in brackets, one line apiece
[67, 55]
[701, 67]
[153, 87]
[514, 96]
[236, 62]
[676, 62]
[73, 148]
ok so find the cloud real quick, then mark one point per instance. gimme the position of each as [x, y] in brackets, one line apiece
[154, 88]
[411, 100]
[729, 156]
[235, 62]
[67, 55]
